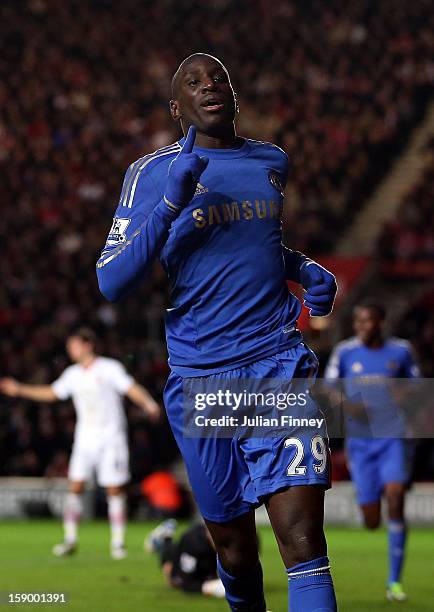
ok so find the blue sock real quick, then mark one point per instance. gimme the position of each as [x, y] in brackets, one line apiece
[397, 537]
[244, 593]
[310, 587]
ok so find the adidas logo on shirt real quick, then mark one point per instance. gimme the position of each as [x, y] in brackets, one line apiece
[200, 189]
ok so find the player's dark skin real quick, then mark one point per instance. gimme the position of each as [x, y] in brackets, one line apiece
[368, 326]
[200, 80]
[296, 513]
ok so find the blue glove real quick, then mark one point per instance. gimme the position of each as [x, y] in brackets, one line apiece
[184, 174]
[321, 289]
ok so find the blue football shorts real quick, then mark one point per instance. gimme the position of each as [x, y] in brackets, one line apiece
[230, 476]
[376, 462]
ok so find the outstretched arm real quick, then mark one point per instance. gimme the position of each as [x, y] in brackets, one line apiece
[38, 393]
[142, 398]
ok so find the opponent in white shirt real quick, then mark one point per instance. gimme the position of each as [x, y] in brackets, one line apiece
[96, 386]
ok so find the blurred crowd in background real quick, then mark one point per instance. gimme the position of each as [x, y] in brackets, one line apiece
[410, 236]
[84, 91]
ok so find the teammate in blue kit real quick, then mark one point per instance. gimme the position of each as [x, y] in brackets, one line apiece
[378, 455]
[209, 206]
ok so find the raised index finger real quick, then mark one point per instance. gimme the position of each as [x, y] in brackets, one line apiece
[189, 141]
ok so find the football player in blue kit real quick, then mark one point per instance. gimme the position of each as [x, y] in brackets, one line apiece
[379, 457]
[209, 207]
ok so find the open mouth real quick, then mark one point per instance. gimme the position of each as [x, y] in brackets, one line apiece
[213, 105]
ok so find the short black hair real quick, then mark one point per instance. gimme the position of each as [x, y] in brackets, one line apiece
[373, 304]
[86, 334]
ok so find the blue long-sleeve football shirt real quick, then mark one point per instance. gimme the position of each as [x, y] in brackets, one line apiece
[365, 374]
[222, 254]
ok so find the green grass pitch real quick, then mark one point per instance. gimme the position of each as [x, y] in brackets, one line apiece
[94, 582]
